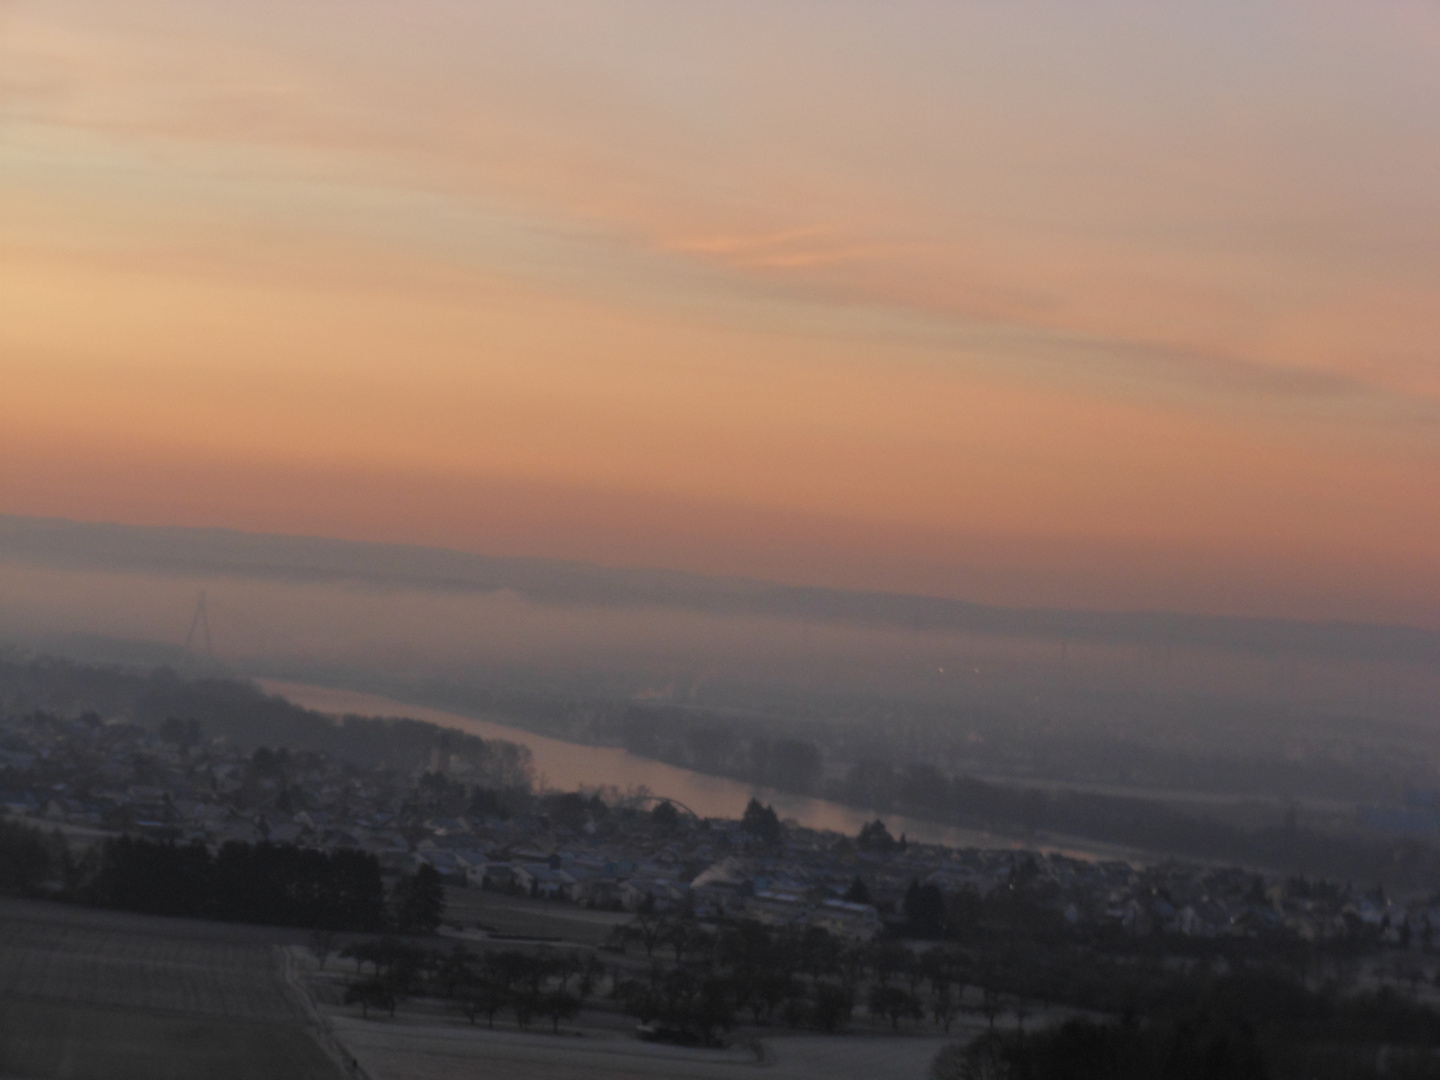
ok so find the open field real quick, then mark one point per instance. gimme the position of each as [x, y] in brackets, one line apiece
[431, 1039]
[41, 1038]
[523, 916]
[399, 1050]
[59, 954]
[101, 994]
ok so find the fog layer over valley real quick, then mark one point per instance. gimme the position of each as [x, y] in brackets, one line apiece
[1271, 742]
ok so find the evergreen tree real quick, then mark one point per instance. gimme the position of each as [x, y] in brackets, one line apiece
[761, 821]
[420, 901]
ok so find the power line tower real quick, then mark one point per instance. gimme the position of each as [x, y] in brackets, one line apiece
[200, 621]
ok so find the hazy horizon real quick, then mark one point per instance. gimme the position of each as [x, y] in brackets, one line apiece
[306, 604]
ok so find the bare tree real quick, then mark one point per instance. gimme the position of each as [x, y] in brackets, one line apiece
[322, 944]
[991, 1004]
[943, 1007]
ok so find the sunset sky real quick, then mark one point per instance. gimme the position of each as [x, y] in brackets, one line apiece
[1121, 305]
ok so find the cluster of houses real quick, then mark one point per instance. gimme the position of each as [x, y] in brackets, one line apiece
[93, 778]
[706, 871]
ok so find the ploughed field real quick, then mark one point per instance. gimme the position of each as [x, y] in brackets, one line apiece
[97, 994]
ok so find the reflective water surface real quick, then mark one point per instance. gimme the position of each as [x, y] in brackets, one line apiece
[565, 766]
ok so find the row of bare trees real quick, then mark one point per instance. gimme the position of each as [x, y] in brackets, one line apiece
[550, 984]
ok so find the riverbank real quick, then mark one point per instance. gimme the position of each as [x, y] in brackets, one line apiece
[565, 766]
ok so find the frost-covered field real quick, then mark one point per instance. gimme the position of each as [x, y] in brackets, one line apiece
[91, 994]
[99, 958]
[397, 1050]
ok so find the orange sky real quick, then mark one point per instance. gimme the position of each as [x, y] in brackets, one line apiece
[1138, 307]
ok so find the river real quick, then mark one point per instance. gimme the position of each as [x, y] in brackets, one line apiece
[565, 766]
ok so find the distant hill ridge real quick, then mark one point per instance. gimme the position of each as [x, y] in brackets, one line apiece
[60, 543]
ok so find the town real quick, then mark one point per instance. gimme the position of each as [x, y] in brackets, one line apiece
[632, 852]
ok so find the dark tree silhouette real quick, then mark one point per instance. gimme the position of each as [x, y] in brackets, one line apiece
[761, 821]
[370, 994]
[420, 901]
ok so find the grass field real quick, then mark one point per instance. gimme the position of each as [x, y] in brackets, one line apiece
[41, 1038]
[105, 995]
